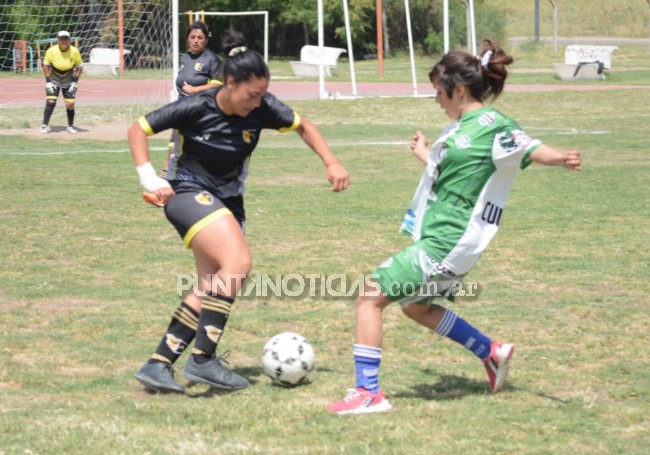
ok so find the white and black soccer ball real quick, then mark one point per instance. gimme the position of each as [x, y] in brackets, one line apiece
[287, 358]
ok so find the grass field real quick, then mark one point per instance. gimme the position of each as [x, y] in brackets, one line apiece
[88, 278]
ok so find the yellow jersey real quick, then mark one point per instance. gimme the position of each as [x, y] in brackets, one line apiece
[62, 64]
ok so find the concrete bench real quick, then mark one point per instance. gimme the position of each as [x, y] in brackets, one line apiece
[585, 62]
[310, 59]
[103, 62]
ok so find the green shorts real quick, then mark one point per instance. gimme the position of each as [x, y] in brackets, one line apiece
[413, 276]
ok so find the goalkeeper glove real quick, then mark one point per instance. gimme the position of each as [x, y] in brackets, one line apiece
[72, 89]
[148, 178]
[50, 88]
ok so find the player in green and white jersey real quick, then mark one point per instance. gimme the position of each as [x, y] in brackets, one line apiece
[454, 215]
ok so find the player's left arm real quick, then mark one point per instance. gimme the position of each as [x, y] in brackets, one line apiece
[336, 173]
[549, 156]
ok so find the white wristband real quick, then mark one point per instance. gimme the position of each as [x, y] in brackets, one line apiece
[145, 170]
[149, 179]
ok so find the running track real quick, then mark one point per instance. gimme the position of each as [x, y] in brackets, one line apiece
[15, 92]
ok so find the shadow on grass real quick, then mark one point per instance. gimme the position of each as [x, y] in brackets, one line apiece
[451, 387]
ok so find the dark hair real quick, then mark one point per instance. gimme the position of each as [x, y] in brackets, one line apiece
[484, 75]
[242, 63]
[198, 25]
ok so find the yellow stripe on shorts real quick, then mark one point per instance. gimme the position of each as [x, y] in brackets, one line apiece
[203, 223]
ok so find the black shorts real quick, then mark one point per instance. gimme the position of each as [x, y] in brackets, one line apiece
[192, 208]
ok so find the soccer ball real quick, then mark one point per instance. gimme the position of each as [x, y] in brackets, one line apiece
[287, 358]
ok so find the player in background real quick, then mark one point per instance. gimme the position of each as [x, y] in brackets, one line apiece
[62, 66]
[454, 215]
[200, 70]
[203, 195]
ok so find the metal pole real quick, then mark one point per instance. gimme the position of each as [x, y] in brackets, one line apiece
[445, 19]
[120, 33]
[175, 49]
[380, 40]
[410, 37]
[536, 20]
[555, 26]
[348, 35]
[321, 42]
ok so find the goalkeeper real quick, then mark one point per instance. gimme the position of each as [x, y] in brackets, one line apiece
[62, 67]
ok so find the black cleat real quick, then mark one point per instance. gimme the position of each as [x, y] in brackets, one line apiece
[159, 377]
[214, 374]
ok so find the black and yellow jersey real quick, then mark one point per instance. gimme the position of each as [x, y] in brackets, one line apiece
[62, 64]
[198, 69]
[213, 148]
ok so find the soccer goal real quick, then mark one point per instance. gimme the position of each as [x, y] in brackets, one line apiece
[126, 46]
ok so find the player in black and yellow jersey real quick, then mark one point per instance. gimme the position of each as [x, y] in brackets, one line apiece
[218, 130]
[62, 67]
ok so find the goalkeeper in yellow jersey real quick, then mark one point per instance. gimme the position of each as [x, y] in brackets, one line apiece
[62, 67]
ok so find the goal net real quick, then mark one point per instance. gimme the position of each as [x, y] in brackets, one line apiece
[126, 46]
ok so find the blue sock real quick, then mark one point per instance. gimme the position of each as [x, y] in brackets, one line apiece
[366, 365]
[456, 328]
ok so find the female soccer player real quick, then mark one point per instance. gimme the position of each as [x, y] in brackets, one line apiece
[454, 215]
[62, 67]
[200, 70]
[219, 129]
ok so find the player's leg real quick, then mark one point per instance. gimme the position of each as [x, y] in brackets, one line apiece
[51, 95]
[445, 322]
[223, 261]
[69, 99]
[366, 396]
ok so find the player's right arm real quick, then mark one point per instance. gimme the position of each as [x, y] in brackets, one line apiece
[149, 179]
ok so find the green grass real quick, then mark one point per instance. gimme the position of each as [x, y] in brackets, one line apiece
[88, 276]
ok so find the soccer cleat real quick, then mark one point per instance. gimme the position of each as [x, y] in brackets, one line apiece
[153, 199]
[360, 401]
[159, 377]
[214, 374]
[497, 364]
[72, 130]
[45, 129]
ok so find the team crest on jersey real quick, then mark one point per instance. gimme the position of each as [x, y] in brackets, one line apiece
[198, 66]
[247, 135]
[204, 198]
[463, 142]
[486, 119]
[513, 141]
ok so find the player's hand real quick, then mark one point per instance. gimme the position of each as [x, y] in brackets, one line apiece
[338, 176]
[187, 88]
[571, 160]
[152, 183]
[420, 146]
[72, 89]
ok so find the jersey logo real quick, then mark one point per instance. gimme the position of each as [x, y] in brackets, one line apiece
[486, 119]
[247, 135]
[204, 198]
[463, 142]
[513, 141]
[198, 66]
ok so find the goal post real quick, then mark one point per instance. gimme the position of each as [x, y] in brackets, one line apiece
[119, 41]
